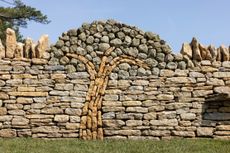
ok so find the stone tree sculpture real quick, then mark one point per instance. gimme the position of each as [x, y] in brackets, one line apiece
[91, 120]
[99, 48]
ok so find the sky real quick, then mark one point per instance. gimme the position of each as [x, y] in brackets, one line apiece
[176, 21]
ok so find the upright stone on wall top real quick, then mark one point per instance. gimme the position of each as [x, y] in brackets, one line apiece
[43, 45]
[19, 50]
[2, 50]
[10, 43]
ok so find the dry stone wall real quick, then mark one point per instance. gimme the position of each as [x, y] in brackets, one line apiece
[110, 80]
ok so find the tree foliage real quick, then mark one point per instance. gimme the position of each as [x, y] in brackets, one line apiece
[18, 15]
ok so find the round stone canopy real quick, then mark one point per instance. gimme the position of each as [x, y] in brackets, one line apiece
[91, 41]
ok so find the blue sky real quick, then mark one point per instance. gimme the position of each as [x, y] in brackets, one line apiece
[176, 21]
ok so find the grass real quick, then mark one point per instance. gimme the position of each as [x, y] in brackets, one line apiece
[29, 145]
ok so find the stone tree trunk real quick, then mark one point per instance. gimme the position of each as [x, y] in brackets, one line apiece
[91, 118]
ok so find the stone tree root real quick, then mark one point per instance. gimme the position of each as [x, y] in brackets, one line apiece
[91, 119]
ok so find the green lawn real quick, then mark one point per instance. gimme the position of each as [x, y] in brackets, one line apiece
[23, 145]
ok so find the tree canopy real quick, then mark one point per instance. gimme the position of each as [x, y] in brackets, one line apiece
[17, 15]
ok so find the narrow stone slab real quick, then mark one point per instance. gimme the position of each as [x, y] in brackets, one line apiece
[29, 94]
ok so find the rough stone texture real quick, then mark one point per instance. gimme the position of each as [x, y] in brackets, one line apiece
[10, 43]
[111, 80]
[2, 50]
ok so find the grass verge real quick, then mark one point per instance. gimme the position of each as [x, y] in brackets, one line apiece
[29, 145]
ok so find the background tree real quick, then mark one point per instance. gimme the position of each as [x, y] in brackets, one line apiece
[17, 15]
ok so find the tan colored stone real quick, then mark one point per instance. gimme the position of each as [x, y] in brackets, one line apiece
[2, 50]
[184, 133]
[33, 50]
[215, 82]
[19, 50]
[4, 96]
[223, 127]
[39, 116]
[58, 76]
[20, 121]
[224, 133]
[133, 123]
[188, 116]
[150, 116]
[205, 53]
[10, 43]
[202, 93]
[221, 74]
[5, 118]
[61, 118]
[42, 46]
[26, 89]
[52, 110]
[164, 122]
[45, 129]
[222, 89]
[159, 133]
[8, 133]
[166, 73]
[72, 126]
[219, 55]
[38, 61]
[29, 94]
[131, 103]
[22, 100]
[180, 80]
[113, 123]
[196, 51]
[28, 47]
[186, 50]
[224, 52]
[165, 97]
[3, 111]
[213, 52]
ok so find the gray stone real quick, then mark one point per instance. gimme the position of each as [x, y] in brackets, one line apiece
[111, 97]
[151, 62]
[82, 36]
[135, 42]
[81, 51]
[124, 66]
[188, 116]
[143, 48]
[116, 42]
[123, 74]
[160, 57]
[142, 56]
[141, 71]
[59, 43]
[182, 65]
[109, 115]
[103, 46]
[164, 122]
[90, 40]
[128, 40]
[113, 123]
[105, 39]
[132, 51]
[205, 131]
[70, 68]
[150, 35]
[196, 75]
[171, 65]
[73, 111]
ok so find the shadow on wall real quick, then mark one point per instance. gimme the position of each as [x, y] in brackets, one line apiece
[216, 117]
